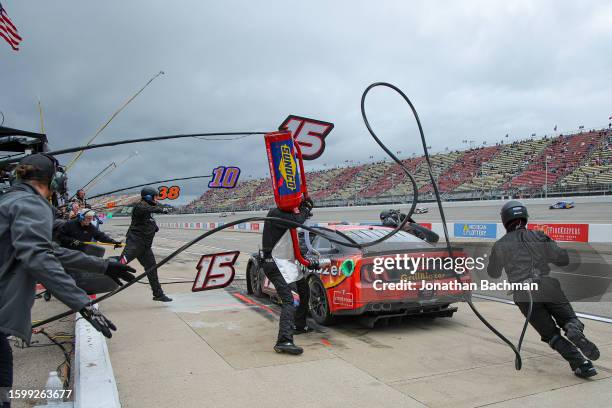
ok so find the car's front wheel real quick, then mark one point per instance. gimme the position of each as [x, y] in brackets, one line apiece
[319, 306]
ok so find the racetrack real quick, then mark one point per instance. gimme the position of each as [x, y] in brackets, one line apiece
[594, 212]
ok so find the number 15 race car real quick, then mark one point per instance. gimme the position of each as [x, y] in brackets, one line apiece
[562, 205]
[356, 283]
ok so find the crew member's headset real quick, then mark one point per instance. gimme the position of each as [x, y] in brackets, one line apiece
[59, 180]
[83, 213]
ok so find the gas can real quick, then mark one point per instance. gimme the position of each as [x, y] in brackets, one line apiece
[285, 170]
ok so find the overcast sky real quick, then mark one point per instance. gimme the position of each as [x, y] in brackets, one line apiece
[475, 70]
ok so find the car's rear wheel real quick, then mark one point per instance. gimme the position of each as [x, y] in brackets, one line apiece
[318, 304]
[255, 279]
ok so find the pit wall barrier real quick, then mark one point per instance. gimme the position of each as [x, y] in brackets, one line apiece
[460, 230]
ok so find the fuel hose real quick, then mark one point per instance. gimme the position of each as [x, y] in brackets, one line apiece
[347, 240]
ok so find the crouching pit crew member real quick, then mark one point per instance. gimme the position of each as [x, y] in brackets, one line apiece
[292, 321]
[393, 218]
[139, 239]
[74, 233]
[29, 256]
[525, 255]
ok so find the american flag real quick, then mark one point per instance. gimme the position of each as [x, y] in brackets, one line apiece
[8, 31]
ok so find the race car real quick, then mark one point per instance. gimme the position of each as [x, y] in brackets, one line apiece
[562, 205]
[421, 210]
[352, 286]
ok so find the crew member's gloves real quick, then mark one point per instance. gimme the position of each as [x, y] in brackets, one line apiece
[118, 244]
[98, 321]
[76, 243]
[314, 263]
[306, 206]
[118, 271]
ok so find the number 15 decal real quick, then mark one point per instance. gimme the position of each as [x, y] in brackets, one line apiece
[309, 133]
[215, 271]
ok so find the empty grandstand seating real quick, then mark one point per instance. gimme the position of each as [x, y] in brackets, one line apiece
[561, 156]
[573, 161]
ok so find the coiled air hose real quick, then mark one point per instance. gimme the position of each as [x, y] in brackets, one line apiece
[348, 241]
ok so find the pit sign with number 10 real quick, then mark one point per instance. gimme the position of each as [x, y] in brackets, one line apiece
[224, 177]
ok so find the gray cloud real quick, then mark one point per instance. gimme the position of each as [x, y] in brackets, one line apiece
[474, 69]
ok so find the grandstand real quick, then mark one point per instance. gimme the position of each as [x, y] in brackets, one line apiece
[114, 203]
[579, 163]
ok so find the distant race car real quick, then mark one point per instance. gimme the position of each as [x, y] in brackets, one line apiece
[562, 205]
[223, 215]
[421, 210]
[349, 286]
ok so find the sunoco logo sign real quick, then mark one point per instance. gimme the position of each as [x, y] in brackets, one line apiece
[287, 167]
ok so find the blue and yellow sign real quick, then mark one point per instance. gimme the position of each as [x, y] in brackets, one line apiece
[285, 168]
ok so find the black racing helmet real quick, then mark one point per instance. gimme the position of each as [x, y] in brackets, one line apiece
[513, 210]
[384, 214]
[147, 193]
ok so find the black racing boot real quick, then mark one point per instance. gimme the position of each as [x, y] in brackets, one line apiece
[162, 298]
[568, 351]
[288, 347]
[573, 331]
[585, 370]
[302, 330]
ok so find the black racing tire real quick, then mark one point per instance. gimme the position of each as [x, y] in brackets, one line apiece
[255, 279]
[318, 303]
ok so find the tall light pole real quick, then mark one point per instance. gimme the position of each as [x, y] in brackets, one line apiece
[546, 176]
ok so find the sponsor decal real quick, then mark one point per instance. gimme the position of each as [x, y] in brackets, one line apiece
[287, 168]
[342, 298]
[255, 226]
[425, 224]
[475, 230]
[563, 232]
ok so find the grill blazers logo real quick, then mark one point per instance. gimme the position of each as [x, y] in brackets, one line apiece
[563, 232]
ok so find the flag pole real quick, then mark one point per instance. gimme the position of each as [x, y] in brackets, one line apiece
[42, 120]
[78, 155]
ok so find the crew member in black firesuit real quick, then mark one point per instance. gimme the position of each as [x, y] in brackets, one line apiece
[393, 218]
[140, 236]
[72, 234]
[29, 256]
[272, 233]
[525, 256]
